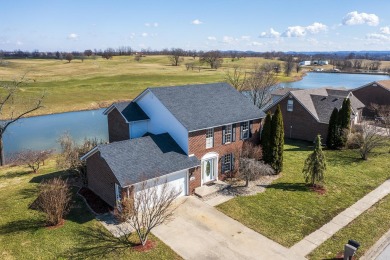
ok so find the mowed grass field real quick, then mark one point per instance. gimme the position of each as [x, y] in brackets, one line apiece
[23, 234]
[98, 82]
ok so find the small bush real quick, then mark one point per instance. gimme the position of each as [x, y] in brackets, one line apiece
[32, 159]
[249, 150]
[354, 140]
[54, 200]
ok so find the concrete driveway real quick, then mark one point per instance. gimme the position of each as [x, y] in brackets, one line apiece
[199, 231]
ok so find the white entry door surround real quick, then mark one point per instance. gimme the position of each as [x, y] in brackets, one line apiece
[209, 164]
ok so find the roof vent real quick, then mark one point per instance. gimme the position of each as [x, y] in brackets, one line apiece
[334, 100]
[374, 85]
[324, 98]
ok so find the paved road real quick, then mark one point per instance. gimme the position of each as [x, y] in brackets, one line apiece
[385, 255]
[199, 231]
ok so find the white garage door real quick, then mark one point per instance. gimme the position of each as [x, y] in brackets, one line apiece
[177, 181]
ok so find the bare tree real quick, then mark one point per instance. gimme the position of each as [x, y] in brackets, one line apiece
[383, 115]
[33, 159]
[251, 168]
[71, 152]
[54, 200]
[69, 57]
[371, 137]
[259, 85]
[176, 56]
[13, 106]
[288, 65]
[236, 77]
[213, 58]
[150, 207]
[88, 53]
[108, 53]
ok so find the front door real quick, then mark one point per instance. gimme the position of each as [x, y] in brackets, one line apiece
[208, 170]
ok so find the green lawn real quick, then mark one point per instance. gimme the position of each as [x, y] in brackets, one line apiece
[98, 82]
[366, 229]
[23, 235]
[288, 211]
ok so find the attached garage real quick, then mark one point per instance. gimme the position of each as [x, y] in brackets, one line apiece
[177, 180]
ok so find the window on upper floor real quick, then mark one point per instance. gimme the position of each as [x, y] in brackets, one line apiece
[290, 105]
[244, 130]
[228, 133]
[209, 138]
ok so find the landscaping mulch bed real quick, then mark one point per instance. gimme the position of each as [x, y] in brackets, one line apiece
[149, 245]
[98, 205]
[319, 189]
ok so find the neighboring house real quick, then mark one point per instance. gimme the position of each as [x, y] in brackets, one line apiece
[373, 93]
[185, 135]
[306, 112]
[279, 93]
[304, 63]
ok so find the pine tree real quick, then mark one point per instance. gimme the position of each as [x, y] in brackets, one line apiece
[333, 130]
[315, 165]
[344, 118]
[266, 139]
[277, 140]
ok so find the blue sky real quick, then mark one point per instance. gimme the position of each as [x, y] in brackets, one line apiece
[284, 25]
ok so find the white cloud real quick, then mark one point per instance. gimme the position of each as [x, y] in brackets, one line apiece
[316, 28]
[19, 43]
[385, 30]
[377, 36]
[256, 43]
[196, 22]
[271, 34]
[301, 31]
[73, 36]
[354, 18]
[212, 38]
[228, 39]
[155, 24]
[144, 34]
[245, 38]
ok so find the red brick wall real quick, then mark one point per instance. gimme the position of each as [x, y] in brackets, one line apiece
[118, 129]
[100, 178]
[197, 146]
[372, 94]
[299, 123]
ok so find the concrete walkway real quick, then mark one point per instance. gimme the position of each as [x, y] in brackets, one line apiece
[199, 231]
[312, 241]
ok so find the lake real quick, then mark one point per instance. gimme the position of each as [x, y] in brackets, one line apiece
[42, 132]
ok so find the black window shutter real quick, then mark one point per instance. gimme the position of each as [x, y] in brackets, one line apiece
[213, 137]
[233, 133]
[223, 134]
[222, 163]
[250, 128]
[232, 162]
[241, 128]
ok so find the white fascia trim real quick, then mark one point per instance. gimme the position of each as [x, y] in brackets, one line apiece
[90, 153]
[369, 84]
[143, 93]
[225, 124]
[159, 176]
[112, 107]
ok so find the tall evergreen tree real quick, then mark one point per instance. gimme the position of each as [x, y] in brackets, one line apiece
[344, 118]
[333, 130]
[315, 165]
[266, 139]
[277, 140]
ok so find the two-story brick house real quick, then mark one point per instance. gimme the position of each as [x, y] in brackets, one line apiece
[185, 135]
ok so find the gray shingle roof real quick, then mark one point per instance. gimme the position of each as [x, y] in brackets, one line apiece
[320, 102]
[207, 105]
[131, 111]
[139, 159]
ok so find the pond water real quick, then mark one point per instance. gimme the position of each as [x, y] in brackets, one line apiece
[42, 132]
[316, 80]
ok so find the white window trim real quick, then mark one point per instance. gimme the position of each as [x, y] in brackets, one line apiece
[247, 130]
[230, 134]
[210, 140]
[290, 105]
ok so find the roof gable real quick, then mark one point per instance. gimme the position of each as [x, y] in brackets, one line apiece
[130, 111]
[207, 105]
[139, 159]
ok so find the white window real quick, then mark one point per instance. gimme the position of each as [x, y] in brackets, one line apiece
[290, 104]
[244, 130]
[227, 162]
[209, 138]
[228, 134]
